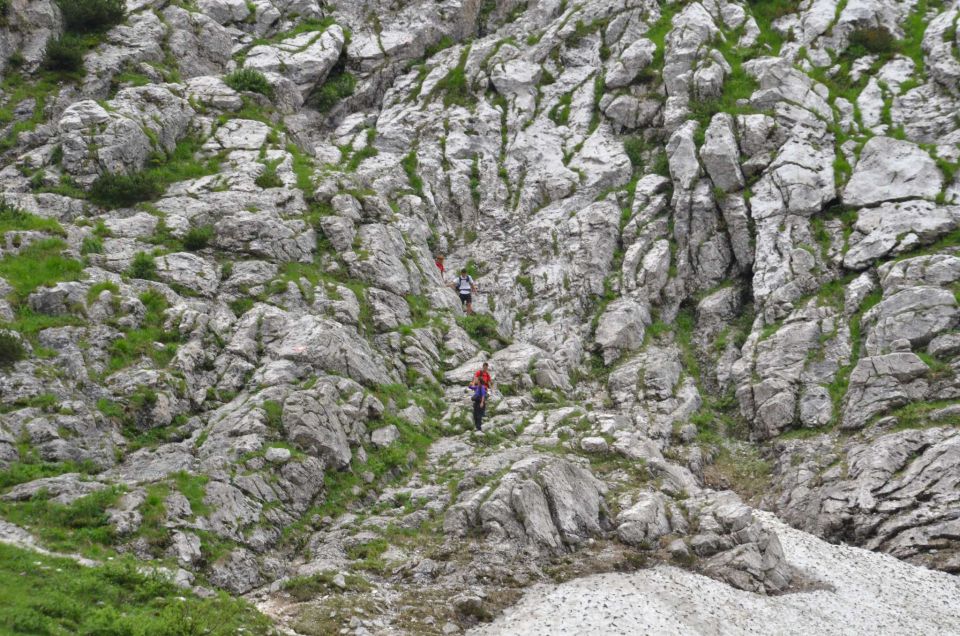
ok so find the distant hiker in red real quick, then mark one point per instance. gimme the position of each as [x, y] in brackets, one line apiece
[483, 377]
[439, 263]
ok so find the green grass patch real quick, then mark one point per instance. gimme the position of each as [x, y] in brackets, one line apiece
[13, 218]
[917, 415]
[194, 488]
[482, 329]
[143, 266]
[163, 168]
[39, 264]
[369, 556]
[47, 595]
[143, 341]
[454, 85]
[81, 526]
[29, 324]
[23, 471]
[197, 238]
[411, 167]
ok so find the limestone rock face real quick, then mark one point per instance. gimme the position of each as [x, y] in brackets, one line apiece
[700, 265]
[565, 510]
[891, 169]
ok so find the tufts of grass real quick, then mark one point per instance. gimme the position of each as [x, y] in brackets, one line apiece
[369, 555]
[634, 147]
[269, 178]
[411, 168]
[144, 340]
[163, 168]
[39, 264]
[454, 85]
[560, 113]
[143, 267]
[482, 328]
[871, 40]
[13, 218]
[81, 526]
[249, 80]
[197, 238]
[23, 471]
[194, 488]
[339, 85]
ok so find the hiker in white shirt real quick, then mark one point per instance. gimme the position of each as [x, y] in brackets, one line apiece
[465, 287]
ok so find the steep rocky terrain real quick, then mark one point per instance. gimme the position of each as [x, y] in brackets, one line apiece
[717, 248]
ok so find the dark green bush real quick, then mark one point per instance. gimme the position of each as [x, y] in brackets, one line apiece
[11, 350]
[92, 16]
[121, 190]
[634, 147]
[875, 40]
[64, 54]
[338, 86]
[249, 80]
[198, 238]
[16, 59]
[268, 178]
[143, 266]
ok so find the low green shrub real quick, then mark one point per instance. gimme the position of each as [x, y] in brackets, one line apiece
[11, 349]
[268, 178]
[249, 80]
[16, 59]
[339, 85]
[482, 328]
[124, 190]
[143, 266]
[871, 40]
[198, 238]
[64, 54]
[92, 16]
[91, 245]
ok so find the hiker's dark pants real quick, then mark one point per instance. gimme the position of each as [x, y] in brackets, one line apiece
[478, 412]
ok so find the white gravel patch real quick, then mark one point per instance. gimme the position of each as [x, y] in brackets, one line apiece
[874, 594]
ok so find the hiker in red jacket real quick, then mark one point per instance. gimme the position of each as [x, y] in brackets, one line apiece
[483, 377]
[439, 263]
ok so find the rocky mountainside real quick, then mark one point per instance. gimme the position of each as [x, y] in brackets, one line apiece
[718, 252]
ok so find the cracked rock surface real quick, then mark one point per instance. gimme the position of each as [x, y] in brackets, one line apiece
[717, 265]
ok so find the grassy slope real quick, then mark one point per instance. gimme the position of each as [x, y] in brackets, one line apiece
[46, 595]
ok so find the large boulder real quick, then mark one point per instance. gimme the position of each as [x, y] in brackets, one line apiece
[891, 169]
[621, 328]
[543, 502]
